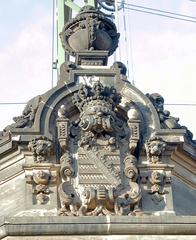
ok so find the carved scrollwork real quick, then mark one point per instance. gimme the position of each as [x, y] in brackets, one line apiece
[97, 202]
[130, 168]
[127, 202]
[63, 128]
[134, 127]
[66, 169]
[70, 202]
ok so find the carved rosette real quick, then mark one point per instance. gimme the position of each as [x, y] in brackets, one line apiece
[89, 30]
[41, 148]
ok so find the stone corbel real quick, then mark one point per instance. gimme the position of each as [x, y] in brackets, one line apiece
[40, 181]
[157, 182]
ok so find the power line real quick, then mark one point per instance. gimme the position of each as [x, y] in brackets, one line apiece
[126, 41]
[53, 19]
[161, 15]
[181, 104]
[128, 38]
[158, 10]
[13, 103]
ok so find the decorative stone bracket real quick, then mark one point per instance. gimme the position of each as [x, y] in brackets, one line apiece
[40, 180]
[156, 182]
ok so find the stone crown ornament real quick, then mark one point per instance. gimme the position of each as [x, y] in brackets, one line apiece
[98, 96]
[89, 30]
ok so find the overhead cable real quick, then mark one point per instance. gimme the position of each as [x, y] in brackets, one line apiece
[126, 41]
[53, 20]
[12, 103]
[158, 10]
[182, 104]
[158, 14]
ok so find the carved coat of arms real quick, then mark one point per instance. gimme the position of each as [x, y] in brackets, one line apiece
[98, 167]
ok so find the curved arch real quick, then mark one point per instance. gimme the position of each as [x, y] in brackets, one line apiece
[130, 94]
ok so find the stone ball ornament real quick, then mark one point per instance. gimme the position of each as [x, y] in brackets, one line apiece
[89, 30]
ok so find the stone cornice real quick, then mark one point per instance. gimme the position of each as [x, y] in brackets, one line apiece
[110, 225]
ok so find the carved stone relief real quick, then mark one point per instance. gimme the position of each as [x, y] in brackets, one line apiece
[41, 148]
[26, 119]
[101, 179]
[155, 147]
[40, 181]
[89, 30]
[166, 120]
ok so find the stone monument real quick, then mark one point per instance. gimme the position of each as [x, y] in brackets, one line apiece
[94, 156]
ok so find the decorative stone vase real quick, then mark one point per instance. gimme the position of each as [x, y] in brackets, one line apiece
[89, 30]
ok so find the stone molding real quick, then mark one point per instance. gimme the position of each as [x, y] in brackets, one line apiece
[110, 225]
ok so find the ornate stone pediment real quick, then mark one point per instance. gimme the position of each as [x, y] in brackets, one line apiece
[94, 145]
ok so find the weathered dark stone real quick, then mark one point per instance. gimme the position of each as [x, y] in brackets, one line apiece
[96, 151]
[89, 30]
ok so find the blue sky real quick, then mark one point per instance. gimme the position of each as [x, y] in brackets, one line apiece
[163, 54]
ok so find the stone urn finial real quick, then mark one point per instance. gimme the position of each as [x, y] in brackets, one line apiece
[89, 31]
